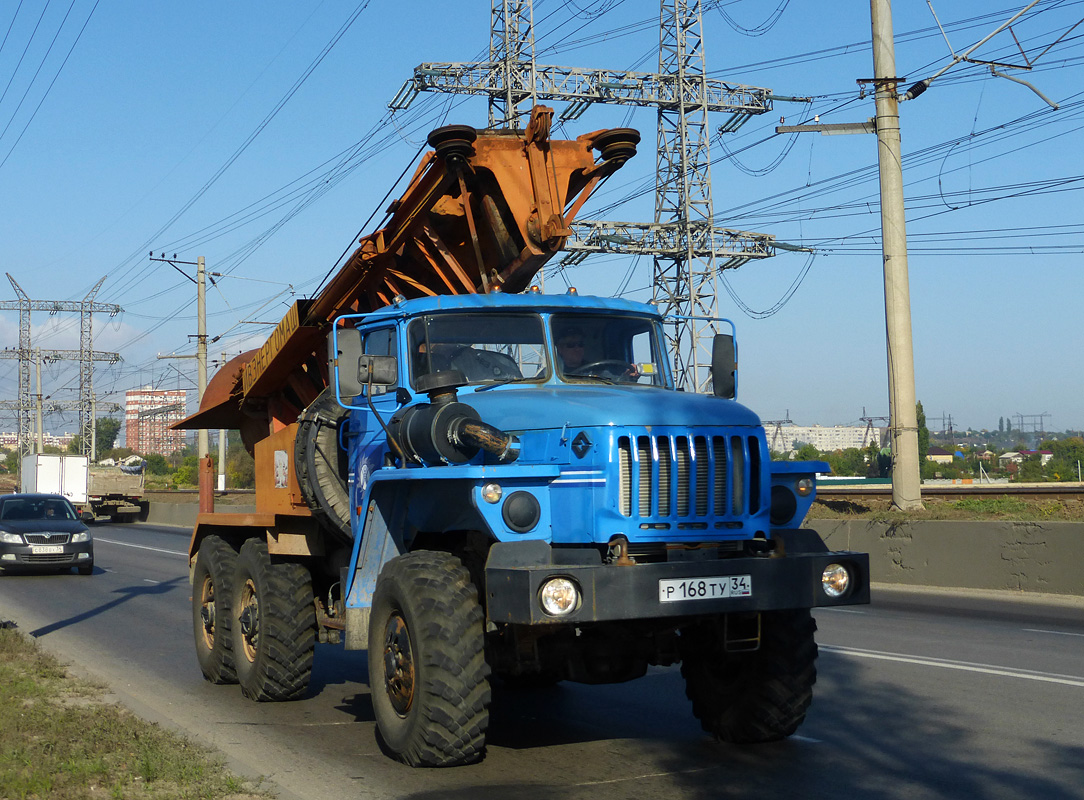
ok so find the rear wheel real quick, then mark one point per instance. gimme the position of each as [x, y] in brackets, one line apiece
[756, 696]
[427, 670]
[273, 625]
[212, 588]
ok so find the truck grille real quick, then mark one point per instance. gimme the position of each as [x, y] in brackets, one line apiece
[46, 538]
[688, 478]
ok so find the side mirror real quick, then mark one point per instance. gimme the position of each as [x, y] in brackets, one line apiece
[724, 366]
[86, 516]
[381, 371]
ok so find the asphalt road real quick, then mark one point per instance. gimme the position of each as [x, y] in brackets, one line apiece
[920, 695]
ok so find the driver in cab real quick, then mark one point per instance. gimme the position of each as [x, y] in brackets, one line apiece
[571, 349]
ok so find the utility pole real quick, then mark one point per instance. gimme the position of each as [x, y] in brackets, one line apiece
[37, 403]
[202, 439]
[222, 449]
[902, 403]
[203, 443]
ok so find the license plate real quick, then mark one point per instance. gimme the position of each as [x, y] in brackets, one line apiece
[673, 590]
[45, 549]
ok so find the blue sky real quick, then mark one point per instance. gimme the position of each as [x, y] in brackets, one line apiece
[187, 128]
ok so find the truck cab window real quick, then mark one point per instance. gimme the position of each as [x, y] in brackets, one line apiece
[489, 348]
[381, 342]
[607, 349]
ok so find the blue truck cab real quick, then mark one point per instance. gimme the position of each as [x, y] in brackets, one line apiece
[533, 500]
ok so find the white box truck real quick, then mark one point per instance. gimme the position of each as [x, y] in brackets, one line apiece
[106, 491]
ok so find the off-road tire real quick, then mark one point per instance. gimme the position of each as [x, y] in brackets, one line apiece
[273, 619]
[321, 464]
[758, 696]
[212, 593]
[427, 670]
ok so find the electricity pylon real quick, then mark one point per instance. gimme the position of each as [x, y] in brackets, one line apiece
[687, 247]
[85, 355]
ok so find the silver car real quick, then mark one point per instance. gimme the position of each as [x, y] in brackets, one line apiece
[43, 532]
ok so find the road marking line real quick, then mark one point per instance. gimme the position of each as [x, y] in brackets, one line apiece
[148, 580]
[1055, 633]
[141, 547]
[623, 779]
[965, 666]
[840, 610]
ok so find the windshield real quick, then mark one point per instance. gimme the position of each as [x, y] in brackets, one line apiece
[486, 348]
[38, 508]
[607, 348]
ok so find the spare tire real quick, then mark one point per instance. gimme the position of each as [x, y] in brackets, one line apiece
[321, 463]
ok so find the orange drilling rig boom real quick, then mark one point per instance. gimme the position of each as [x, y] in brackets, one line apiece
[483, 212]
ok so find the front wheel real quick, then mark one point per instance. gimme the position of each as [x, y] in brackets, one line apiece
[755, 696]
[427, 670]
[273, 624]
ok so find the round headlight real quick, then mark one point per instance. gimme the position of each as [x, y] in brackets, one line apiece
[835, 580]
[559, 597]
[491, 492]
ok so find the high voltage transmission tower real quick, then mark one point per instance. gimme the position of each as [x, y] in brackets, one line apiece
[687, 248]
[86, 355]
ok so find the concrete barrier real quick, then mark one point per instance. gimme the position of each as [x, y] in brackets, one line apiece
[183, 515]
[1022, 556]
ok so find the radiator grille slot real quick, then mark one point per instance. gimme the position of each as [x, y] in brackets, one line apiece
[686, 477]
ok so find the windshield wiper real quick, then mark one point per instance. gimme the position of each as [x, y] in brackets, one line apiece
[505, 382]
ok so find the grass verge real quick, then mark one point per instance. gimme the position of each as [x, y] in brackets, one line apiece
[60, 739]
[996, 508]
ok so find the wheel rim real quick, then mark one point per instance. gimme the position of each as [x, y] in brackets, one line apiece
[398, 665]
[249, 619]
[207, 612]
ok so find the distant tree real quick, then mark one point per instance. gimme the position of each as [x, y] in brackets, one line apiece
[157, 464]
[1008, 426]
[923, 433]
[806, 452]
[1031, 469]
[106, 430]
[188, 473]
[11, 461]
[240, 468]
[1067, 459]
[1000, 424]
[878, 463]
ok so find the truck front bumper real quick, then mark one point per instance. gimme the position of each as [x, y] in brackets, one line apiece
[610, 592]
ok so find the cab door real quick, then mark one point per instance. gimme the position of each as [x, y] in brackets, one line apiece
[368, 445]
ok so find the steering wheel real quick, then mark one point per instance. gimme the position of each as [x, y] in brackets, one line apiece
[621, 370]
